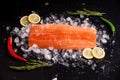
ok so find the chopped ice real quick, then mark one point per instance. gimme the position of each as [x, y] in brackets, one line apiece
[25, 55]
[77, 20]
[103, 67]
[90, 62]
[15, 50]
[22, 42]
[36, 50]
[73, 65]
[65, 64]
[57, 21]
[65, 55]
[23, 35]
[47, 19]
[71, 22]
[70, 51]
[16, 40]
[53, 17]
[113, 41]
[18, 44]
[98, 43]
[93, 66]
[75, 24]
[25, 50]
[74, 56]
[16, 30]
[33, 12]
[27, 30]
[55, 51]
[86, 23]
[103, 40]
[63, 20]
[104, 32]
[55, 59]
[81, 16]
[105, 36]
[45, 51]
[86, 19]
[93, 26]
[68, 19]
[39, 57]
[47, 3]
[83, 4]
[54, 78]
[102, 26]
[41, 21]
[8, 28]
[100, 32]
[78, 53]
[48, 56]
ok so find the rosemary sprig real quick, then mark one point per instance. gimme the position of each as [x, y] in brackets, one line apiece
[86, 12]
[31, 64]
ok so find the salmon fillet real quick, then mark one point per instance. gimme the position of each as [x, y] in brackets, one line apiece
[62, 36]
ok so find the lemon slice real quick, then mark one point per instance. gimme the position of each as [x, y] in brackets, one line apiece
[24, 21]
[98, 53]
[34, 18]
[87, 53]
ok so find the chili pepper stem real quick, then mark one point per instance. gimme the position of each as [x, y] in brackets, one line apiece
[10, 35]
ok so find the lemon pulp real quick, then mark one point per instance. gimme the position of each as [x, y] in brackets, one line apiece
[24, 21]
[98, 53]
[87, 53]
[34, 18]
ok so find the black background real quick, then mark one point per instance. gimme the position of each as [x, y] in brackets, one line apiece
[10, 13]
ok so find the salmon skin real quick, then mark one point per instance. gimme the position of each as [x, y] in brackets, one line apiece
[62, 36]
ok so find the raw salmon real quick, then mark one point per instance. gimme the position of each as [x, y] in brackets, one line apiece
[62, 36]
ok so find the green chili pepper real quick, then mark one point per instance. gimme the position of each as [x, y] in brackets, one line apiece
[110, 24]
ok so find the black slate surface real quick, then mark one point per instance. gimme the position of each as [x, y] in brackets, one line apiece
[10, 12]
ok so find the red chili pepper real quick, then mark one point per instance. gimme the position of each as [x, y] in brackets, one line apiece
[12, 52]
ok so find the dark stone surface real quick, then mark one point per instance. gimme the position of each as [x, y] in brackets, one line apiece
[10, 13]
